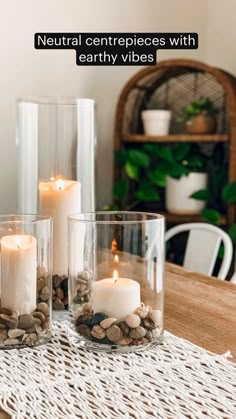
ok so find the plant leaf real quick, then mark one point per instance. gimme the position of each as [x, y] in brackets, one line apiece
[232, 233]
[120, 189]
[164, 167]
[132, 171]
[229, 192]
[157, 177]
[175, 170]
[202, 195]
[147, 192]
[178, 170]
[181, 151]
[150, 148]
[211, 215]
[139, 158]
[165, 153]
[198, 106]
[196, 162]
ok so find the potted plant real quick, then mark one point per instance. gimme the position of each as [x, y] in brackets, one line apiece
[147, 171]
[156, 121]
[199, 117]
[185, 175]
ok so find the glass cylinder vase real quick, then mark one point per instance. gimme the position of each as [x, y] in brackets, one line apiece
[116, 262]
[26, 280]
[56, 142]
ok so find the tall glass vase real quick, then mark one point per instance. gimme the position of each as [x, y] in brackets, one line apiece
[56, 143]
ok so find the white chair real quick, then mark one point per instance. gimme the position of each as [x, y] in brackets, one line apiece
[202, 247]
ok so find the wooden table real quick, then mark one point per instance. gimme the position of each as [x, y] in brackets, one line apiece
[200, 309]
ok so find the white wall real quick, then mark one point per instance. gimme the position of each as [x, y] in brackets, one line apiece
[221, 34]
[27, 72]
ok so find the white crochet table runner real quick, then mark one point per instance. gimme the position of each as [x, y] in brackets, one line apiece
[173, 380]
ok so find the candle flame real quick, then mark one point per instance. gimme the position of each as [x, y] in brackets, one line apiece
[116, 259]
[115, 276]
[52, 178]
[60, 184]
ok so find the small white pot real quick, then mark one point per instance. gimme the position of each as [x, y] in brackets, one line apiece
[178, 192]
[156, 122]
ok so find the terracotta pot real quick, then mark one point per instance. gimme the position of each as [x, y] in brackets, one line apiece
[201, 124]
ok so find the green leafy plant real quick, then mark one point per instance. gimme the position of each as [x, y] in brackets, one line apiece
[145, 169]
[203, 105]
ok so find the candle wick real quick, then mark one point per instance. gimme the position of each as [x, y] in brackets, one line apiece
[18, 246]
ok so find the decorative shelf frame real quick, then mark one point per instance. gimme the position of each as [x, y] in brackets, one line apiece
[173, 84]
[188, 138]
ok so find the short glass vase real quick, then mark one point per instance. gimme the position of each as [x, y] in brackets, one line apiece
[26, 280]
[116, 262]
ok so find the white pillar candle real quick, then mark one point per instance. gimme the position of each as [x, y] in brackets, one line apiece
[116, 298]
[58, 199]
[19, 272]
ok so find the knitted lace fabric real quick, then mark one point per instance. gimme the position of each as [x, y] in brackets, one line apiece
[173, 380]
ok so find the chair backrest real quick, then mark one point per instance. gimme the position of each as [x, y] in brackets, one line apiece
[202, 247]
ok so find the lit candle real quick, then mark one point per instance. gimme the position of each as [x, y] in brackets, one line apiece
[116, 297]
[58, 199]
[19, 272]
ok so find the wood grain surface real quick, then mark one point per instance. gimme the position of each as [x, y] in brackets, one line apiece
[200, 309]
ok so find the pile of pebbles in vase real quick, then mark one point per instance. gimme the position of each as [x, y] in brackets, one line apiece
[24, 329]
[60, 292]
[141, 327]
[43, 285]
[59, 289]
[83, 284]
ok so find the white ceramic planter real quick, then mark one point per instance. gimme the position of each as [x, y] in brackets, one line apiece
[156, 122]
[178, 192]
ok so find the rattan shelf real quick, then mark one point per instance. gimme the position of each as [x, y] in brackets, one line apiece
[172, 138]
[172, 84]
